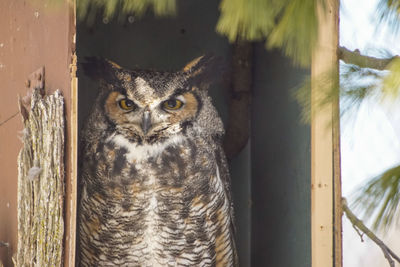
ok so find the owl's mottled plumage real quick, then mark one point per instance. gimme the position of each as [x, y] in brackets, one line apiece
[154, 178]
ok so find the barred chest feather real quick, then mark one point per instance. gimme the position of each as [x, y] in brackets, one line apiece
[154, 205]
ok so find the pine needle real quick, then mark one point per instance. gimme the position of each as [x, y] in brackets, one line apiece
[296, 31]
[248, 20]
[379, 198]
[391, 83]
[388, 12]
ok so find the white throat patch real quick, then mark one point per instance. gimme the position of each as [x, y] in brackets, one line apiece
[145, 151]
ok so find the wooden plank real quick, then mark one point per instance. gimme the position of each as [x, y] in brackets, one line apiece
[325, 172]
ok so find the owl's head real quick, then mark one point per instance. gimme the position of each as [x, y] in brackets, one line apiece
[148, 106]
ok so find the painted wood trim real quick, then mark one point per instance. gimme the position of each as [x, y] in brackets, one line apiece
[72, 158]
[325, 145]
[71, 194]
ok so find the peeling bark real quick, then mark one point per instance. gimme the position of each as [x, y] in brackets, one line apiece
[41, 183]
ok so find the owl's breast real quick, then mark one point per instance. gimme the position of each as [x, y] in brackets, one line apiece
[157, 206]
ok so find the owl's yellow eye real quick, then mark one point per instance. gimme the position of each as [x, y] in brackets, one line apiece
[172, 104]
[126, 104]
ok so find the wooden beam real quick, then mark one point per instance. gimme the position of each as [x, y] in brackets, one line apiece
[325, 158]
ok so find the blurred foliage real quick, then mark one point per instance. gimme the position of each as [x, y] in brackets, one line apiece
[326, 94]
[356, 85]
[391, 82]
[296, 31]
[389, 13]
[248, 20]
[290, 25]
[88, 9]
[379, 198]
[302, 95]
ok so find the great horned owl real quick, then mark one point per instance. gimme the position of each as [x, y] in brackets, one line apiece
[155, 187]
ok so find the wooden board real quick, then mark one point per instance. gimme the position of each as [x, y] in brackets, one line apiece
[325, 158]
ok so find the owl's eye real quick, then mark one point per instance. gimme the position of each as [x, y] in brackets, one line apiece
[126, 104]
[172, 104]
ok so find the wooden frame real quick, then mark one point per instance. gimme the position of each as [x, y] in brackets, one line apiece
[325, 157]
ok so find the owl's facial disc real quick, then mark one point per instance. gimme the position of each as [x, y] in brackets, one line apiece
[149, 122]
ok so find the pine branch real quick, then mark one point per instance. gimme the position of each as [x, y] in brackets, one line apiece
[357, 223]
[355, 58]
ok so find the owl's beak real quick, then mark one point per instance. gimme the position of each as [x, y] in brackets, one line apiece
[146, 121]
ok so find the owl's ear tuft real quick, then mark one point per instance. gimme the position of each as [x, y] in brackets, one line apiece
[204, 70]
[100, 68]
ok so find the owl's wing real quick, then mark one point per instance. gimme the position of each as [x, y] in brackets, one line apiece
[226, 179]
